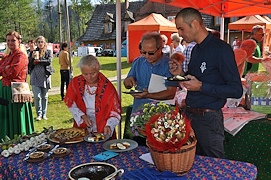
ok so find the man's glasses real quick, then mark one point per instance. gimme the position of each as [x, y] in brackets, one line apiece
[149, 53]
[40, 41]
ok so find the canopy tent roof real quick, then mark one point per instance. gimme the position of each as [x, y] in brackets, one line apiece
[153, 22]
[246, 23]
[224, 8]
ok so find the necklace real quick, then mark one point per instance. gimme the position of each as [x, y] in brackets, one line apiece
[93, 91]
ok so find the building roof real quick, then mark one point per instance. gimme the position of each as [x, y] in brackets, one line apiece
[95, 29]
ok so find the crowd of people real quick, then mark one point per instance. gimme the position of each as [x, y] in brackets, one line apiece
[94, 102]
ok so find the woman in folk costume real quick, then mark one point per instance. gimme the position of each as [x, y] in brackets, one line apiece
[16, 118]
[92, 99]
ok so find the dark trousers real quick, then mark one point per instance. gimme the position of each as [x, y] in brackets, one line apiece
[65, 79]
[209, 131]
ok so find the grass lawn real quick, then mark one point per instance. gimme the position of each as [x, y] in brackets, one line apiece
[58, 114]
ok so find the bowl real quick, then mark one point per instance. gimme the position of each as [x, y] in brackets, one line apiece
[94, 171]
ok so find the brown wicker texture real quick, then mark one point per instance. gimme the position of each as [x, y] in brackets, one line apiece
[179, 162]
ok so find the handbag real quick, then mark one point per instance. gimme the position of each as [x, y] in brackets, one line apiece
[20, 92]
[49, 70]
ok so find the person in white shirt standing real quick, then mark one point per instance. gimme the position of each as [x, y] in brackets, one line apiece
[235, 43]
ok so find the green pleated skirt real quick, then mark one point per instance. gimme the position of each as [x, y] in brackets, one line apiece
[16, 118]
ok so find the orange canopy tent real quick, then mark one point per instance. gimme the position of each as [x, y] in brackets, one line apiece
[246, 23]
[153, 22]
[223, 8]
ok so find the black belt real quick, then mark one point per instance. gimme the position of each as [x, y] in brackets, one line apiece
[199, 111]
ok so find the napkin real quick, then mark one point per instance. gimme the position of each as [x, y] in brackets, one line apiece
[150, 174]
[105, 155]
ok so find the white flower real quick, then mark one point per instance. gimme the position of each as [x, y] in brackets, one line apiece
[29, 143]
[5, 153]
[23, 143]
[17, 151]
[10, 150]
[32, 139]
[34, 143]
[21, 147]
[26, 147]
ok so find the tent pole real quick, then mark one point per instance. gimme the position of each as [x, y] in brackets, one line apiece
[118, 52]
[228, 37]
[222, 28]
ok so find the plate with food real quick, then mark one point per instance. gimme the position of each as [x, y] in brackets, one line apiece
[60, 152]
[44, 147]
[96, 137]
[120, 145]
[37, 156]
[177, 78]
[67, 136]
[133, 92]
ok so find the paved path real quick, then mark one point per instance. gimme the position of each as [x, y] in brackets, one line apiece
[56, 90]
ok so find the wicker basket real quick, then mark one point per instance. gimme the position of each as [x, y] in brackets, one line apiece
[179, 162]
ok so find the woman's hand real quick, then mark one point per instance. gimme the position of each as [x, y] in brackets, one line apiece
[87, 121]
[107, 130]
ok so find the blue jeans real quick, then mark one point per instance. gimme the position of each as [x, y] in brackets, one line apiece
[209, 131]
[40, 100]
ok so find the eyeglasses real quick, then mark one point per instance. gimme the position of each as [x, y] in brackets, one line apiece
[40, 41]
[149, 53]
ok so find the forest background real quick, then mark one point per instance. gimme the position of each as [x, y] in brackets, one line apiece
[32, 18]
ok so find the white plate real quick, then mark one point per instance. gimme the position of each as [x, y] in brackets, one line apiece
[106, 137]
[133, 145]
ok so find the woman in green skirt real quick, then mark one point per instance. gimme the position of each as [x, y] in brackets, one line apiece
[15, 118]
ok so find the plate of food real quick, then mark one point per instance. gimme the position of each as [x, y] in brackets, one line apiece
[133, 92]
[96, 137]
[177, 78]
[37, 156]
[67, 136]
[44, 147]
[60, 152]
[120, 145]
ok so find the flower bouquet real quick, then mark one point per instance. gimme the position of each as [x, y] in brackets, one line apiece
[171, 141]
[143, 115]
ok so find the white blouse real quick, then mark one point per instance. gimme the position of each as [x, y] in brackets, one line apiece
[89, 100]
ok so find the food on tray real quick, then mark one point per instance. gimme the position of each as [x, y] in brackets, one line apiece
[120, 145]
[60, 150]
[177, 78]
[44, 147]
[68, 135]
[96, 137]
[36, 155]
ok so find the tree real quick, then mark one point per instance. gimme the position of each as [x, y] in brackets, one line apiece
[83, 10]
[17, 15]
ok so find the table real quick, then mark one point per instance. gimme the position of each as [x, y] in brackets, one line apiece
[14, 167]
[252, 144]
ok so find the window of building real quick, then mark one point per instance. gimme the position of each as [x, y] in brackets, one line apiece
[233, 19]
[217, 21]
[107, 27]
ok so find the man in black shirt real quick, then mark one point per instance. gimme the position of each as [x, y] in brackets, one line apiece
[214, 78]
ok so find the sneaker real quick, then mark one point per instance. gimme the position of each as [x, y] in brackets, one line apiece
[45, 118]
[38, 118]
